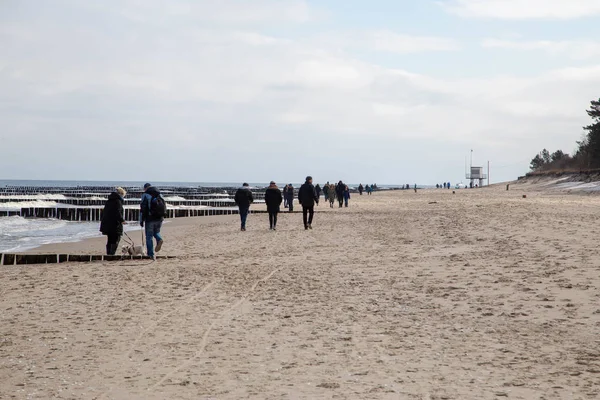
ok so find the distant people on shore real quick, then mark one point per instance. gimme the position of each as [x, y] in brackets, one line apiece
[273, 199]
[415, 188]
[360, 189]
[243, 199]
[153, 210]
[290, 197]
[113, 219]
[346, 195]
[307, 196]
[339, 193]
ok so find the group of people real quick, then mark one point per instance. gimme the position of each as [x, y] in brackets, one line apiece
[446, 185]
[368, 189]
[152, 213]
[307, 196]
[339, 192]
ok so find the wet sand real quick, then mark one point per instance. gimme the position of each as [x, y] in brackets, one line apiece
[478, 295]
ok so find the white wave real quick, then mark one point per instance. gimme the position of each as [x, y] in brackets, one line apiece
[35, 197]
[27, 204]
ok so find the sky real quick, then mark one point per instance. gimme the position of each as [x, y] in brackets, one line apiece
[385, 91]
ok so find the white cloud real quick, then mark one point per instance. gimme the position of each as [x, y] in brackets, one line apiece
[524, 9]
[196, 95]
[391, 42]
[575, 49]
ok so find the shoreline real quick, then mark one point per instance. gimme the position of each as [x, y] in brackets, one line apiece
[96, 245]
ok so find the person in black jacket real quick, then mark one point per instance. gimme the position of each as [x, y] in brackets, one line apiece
[273, 200]
[308, 197]
[243, 199]
[112, 220]
[318, 190]
[290, 197]
[339, 191]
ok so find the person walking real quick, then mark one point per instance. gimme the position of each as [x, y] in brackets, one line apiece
[307, 197]
[360, 189]
[290, 197]
[273, 200]
[153, 211]
[346, 195]
[318, 191]
[339, 193]
[243, 199]
[285, 196]
[326, 191]
[331, 192]
[112, 220]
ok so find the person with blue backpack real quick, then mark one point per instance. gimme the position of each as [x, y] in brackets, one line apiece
[152, 214]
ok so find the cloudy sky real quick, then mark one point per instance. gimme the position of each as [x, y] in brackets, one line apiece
[386, 91]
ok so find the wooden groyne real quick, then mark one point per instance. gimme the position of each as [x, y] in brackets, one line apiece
[200, 193]
[94, 214]
[31, 259]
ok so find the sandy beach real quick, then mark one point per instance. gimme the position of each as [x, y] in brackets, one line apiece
[479, 295]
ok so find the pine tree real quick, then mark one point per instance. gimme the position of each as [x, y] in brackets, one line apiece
[592, 142]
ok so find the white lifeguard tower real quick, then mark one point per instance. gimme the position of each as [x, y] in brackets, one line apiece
[476, 174]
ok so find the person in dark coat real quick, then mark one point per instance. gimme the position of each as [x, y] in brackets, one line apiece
[346, 195]
[273, 200]
[112, 220]
[243, 199]
[361, 189]
[307, 196]
[326, 191]
[285, 196]
[290, 197]
[318, 190]
[339, 191]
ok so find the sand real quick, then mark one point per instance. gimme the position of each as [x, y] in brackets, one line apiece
[478, 295]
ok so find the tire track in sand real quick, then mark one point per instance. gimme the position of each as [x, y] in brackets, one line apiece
[206, 335]
[167, 315]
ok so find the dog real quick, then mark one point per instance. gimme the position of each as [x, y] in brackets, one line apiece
[131, 250]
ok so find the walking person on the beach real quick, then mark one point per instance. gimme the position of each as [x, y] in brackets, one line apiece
[326, 191]
[331, 192]
[290, 197]
[112, 220]
[346, 195]
[243, 199]
[285, 196]
[308, 197]
[318, 191]
[339, 193]
[360, 189]
[153, 210]
[273, 200]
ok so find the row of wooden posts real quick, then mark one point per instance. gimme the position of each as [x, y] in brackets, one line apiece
[29, 259]
[93, 214]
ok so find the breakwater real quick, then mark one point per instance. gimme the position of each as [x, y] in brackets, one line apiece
[86, 203]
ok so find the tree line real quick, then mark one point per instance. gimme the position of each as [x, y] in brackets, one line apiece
[585, 157]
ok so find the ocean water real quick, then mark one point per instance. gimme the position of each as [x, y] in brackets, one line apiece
[19, 234]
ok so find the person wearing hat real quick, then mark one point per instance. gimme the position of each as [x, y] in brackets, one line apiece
[152, 214]
[112, 220]
[243, 199]
[273, 200]
[307, 197]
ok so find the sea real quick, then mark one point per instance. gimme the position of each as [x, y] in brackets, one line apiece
[19, 234]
